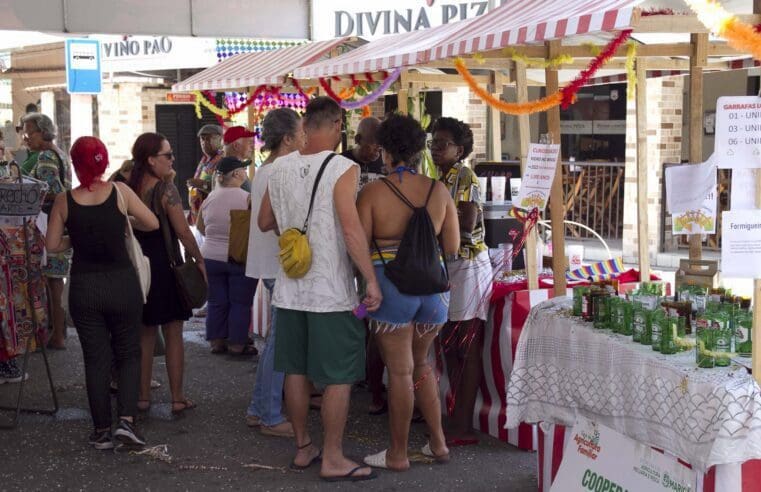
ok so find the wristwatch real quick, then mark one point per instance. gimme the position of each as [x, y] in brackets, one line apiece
[451, 257]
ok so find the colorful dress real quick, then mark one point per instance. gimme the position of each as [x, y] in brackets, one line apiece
[54, 170]
[205, 171]
[467, 190]
[22, 287]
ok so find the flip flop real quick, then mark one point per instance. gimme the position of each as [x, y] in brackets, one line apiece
[187, 404]
[351, 477]
[439, 458]
[461, 442]
[293, 466]
[247, 351]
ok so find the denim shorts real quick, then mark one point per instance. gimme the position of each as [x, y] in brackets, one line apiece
[400, 309]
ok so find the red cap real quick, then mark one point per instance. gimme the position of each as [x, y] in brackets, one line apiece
[236, 132]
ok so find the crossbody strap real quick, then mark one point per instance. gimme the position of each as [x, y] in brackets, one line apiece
[314, 190]
[158, 207]
[120, 199]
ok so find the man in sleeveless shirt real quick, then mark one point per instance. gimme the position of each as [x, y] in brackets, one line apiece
[318, 337]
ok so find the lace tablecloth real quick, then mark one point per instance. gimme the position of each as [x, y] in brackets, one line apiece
[564, 367]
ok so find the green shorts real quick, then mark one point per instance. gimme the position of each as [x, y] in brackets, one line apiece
[329, 348]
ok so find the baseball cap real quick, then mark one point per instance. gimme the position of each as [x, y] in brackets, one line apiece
[89, 152]
[236, 132]
[229, 164]
[210, 130]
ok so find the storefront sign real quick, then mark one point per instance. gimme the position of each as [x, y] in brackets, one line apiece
[541, 164]
[741, 244]
[83, 68]
[598, 458]
[179, 97]
[578, 127]
[738, 132]
[743, 189]
[136, 53]
[337, 18]
[609, 127]
[687, 186]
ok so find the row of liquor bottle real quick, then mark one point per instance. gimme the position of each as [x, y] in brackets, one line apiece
[721, 323]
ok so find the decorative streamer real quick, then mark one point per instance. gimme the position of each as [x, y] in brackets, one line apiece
[537, 63]
[370, 98]
[631, 75]
[329, 90]
[739, 35]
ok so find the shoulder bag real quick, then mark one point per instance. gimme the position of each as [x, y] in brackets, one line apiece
[139, 260]
[240, 227]
[190, 282]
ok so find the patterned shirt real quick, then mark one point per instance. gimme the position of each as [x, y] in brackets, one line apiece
[55, 171]
[205, 171]
[467, 190]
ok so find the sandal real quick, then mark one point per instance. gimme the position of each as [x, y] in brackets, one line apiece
[439, 458]
[351, 477]
[245, 351]
[293, 466]
[187, 404]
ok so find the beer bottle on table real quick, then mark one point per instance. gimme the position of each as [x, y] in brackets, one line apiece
[658, 324]
[669, 334]
[743, 334]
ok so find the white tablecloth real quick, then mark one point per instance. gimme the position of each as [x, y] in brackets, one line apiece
[563, 366]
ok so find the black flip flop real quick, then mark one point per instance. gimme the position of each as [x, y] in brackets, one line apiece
[351, 477]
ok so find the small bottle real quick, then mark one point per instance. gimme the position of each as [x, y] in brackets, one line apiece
[743, 334]
[669, 334]
[658, 324]
[722, 347]
[626, 322]
[704, 347]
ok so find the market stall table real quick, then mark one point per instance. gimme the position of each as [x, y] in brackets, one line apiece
[708, 418]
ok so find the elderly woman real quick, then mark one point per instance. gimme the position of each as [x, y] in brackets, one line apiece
[51, 167]
[230, 292]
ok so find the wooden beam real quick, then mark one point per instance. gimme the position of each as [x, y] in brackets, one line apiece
[524, 139]
[642, 217]
[717, 48]
[495, 120]
[681, 23]
[557, 203]
[698, 60]
[443, 79]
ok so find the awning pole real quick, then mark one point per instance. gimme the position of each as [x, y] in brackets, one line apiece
[698, 59]
[642, 218]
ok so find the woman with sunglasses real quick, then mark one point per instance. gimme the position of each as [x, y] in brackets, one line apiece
[470, 275]
[152, 181]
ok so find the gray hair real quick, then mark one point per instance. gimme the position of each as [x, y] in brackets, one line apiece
[320, 111]
[43, 123]
[278, 124]
[225, 179]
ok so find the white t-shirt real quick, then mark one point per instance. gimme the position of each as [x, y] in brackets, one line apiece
[215, 211]
[263, 248]
[329, 284]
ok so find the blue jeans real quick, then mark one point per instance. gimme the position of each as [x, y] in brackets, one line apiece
[230, 297]
[267, 400]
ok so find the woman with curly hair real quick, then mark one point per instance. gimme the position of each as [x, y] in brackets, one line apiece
[406, 325]
[470, 275]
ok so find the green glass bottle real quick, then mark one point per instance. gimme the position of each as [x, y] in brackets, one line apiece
[626, 322]
[639, 319]
[657, 324]
[602, 312]
[616, 308]
[669, 329]
[723, 342]
[704, 348]
[743, 334]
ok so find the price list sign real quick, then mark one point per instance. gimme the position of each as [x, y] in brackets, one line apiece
[738, 132]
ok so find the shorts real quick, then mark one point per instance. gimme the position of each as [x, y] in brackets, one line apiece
[328, 348]
[401, 309]
[471, 282]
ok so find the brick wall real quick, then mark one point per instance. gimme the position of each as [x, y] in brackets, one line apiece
[462, 104]
[664, 144]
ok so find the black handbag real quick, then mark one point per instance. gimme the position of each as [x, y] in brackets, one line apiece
[190, 282]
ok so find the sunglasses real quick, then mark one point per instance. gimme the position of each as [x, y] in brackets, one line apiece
[439, 144]
[168, 155]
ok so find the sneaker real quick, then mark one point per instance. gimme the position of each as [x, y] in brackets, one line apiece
[283, 429]
[10, 372]
[126, 433]
[101, 440]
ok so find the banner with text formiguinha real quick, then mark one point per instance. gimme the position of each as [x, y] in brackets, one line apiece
[598, 458]
[741, 244]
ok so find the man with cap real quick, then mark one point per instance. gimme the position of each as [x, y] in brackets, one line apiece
[199, 187]
[239, 143]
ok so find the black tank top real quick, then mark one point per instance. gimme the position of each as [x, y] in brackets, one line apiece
[97, 235]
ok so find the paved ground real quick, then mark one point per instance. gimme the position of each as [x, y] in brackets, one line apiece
[211, 447]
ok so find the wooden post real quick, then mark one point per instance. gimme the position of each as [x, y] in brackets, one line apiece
[495, 120]
[403, 93]
[251, 114]
[642, 217]
[698, 59]
[524, 139]
[557, 203]
[757, 283]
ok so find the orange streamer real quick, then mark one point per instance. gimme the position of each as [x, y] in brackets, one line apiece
[742, 37]
[366, 112]
[530, 107]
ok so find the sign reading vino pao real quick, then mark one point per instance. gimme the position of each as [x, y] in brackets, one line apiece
[338, 18]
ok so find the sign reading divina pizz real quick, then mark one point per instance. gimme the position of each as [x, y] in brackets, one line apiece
[338, 18]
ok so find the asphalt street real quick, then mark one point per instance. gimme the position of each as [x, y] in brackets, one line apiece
[210, 448]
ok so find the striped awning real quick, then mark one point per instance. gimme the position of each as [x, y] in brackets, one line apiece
[516, 22]
[258, 68]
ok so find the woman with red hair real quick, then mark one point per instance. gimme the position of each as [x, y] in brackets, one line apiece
[105, 299]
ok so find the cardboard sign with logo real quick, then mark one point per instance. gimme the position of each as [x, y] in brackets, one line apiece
[541, 163]
[599, 458]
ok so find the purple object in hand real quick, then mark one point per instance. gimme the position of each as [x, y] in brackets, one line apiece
[360, 311]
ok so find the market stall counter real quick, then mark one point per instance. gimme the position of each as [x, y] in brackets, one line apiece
[565, 369]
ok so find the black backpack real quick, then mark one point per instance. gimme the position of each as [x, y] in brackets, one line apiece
[417, 270]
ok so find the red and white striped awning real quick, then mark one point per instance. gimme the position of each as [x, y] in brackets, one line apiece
[515, 22]
[258, 68]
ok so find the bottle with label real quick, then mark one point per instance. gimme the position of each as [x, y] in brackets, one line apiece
[669, 333]
[658, 324]
[639, 319]
[625, 317]
[743, 334]
[602, 312]
[704, 347]
[723, 346]
[615, 305]
[578, 300]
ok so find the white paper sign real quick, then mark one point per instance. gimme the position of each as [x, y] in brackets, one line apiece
[738, 132]
[741, 244]
[541, 164]
[687, 186]
[743, 189]
[599, 458]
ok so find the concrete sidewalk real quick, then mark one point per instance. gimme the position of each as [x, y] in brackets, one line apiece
[210, 447]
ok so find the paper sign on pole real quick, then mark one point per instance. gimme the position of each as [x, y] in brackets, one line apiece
[541, 164]
[599, 458]
[687, 186]
[741, 244]
[738, 132]
[743, 189]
